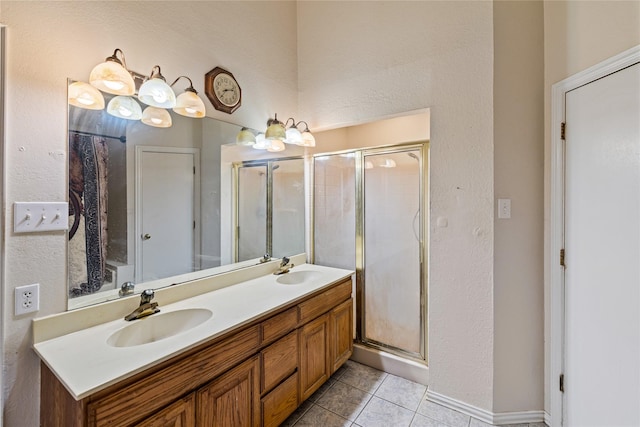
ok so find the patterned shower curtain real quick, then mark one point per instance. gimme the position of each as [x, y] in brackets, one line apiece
[88, 163]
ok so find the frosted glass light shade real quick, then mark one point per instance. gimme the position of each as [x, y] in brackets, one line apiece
[293, 136]
[388, 163]
[245, 137]
[189, 104]
[156, 117]
[112, 77]
[124, 107]
[308, 140]
[275, 131]
[276, 146]
[157, 93]
[261, 142]
[83, 95]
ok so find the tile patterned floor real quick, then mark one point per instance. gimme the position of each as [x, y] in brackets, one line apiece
[360, 396]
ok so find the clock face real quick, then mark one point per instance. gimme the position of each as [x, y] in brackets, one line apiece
[223, 90]
[226, 89]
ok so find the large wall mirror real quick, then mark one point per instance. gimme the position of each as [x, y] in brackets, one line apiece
[158, 206]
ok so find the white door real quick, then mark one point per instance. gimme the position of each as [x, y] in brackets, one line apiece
[602, 242]
[166, 211]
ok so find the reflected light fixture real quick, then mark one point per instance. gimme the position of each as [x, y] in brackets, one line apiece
[262, 143]
[289, 132]
[387, 163]
[156, 117]
[188, 103]
[83, 95]
[276, 146]
[156, 92]
[124, 107]
[246, 137]
[275, 130]
[112, 76]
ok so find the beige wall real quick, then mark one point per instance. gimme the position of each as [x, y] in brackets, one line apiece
[578, 35]
[518, 158]
[363, 60]
[47, 42]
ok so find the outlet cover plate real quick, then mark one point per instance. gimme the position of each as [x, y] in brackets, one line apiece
[27, 299]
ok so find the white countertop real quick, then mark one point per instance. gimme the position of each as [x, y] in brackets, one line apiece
[85, 363]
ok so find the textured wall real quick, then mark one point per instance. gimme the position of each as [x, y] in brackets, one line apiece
[364, 60]
[47, 42]
[518, 156]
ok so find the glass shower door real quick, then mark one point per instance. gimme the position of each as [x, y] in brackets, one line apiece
[392, 289]
[251, 229]
[288, 211]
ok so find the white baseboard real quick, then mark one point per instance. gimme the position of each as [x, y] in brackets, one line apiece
[487, 416]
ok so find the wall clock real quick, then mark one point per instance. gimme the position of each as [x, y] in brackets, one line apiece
[223, 90]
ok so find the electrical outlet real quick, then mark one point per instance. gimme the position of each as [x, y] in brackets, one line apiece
[27, 299]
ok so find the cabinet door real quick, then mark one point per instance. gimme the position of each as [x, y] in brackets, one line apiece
[341, 334]
[179, 414]
[314, 355]
[232, 400]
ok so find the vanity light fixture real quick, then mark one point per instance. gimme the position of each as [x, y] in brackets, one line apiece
[246, 137]
[188, 103]
[84, 95]
[156, 92]
[262, 143]
[124, 107]
[276, 146]
[289, 132]
[156, 117]
[112, 76]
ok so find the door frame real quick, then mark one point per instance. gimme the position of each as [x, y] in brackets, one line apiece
[556, 220]
[138, 200]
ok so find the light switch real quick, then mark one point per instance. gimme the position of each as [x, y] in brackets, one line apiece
[31, 217]
[504, 208]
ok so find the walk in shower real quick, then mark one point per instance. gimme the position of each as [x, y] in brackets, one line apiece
[368, 216]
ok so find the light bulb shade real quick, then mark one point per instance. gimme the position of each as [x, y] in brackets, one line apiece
[157, 93]
[245, 137]
[308, 140]
[276, 146]
[388, 163]
[189, 104]
[83, 95]
[275, 131]
[124, 107]
[293, 136]
[261, 142]
[156, 117]
[112, 77]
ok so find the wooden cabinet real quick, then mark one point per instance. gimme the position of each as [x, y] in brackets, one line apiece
[314, 355]
[178, 414]
[255, 375]
[341, 333]
[232, 400]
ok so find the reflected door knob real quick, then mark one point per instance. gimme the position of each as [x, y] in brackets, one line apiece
[146, 236]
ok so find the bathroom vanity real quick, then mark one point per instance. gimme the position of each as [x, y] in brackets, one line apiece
[267, 345]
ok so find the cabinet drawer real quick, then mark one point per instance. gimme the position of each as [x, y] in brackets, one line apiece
[322, 303]
[280, 403]
[279, 325]
[279, 360]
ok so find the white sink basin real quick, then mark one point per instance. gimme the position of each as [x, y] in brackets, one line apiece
[298, 277]
[158, 327]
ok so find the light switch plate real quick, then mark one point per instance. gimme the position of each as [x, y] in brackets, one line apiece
[31, 217]
[504, 208]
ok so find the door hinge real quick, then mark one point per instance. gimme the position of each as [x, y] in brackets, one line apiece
[562, 383]
[563, 130]
[562, 257]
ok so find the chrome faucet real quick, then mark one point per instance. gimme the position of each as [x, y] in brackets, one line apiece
[146, 307]
[265, 258]
[284, 266]
[127, 288]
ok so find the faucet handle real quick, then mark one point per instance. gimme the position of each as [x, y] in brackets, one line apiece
[285, 261]
[126, 289]
[146, 296]
[265, 258]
